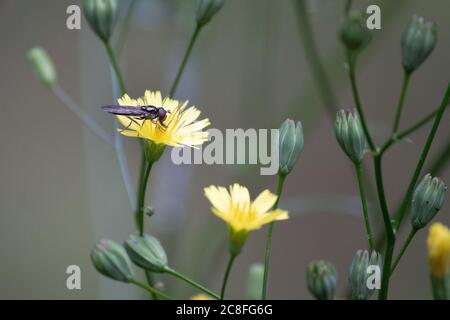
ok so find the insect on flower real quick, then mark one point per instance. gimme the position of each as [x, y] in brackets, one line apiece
[152, 113]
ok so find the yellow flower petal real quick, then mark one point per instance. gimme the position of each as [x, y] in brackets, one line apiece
[265, 201]
[235, 207]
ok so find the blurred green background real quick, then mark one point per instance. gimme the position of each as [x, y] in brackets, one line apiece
[61, 190]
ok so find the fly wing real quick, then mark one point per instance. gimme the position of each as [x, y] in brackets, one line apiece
[124, 111]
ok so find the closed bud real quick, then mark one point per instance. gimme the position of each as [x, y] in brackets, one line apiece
[255, 281]
[360, 273]
[206, 9]
[42, 65]
[111, 260]
[153, 151]
[418, 41]
[291, 144]
[101, 16]
[438, 243]
[321, 277]
[427, 200]
[147, 252]
[354, 33]
[350, 135]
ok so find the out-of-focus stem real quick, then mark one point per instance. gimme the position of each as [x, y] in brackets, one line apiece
[85, 118]
[362, 191]
[187, 53]
[312, 55]
[281, 180]
[125, 26]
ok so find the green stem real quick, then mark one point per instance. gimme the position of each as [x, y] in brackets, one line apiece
[125, 26]
[313, 58]
[281, 179]
[407, 198]
[351, 60]
[146, 167]
[141, 197]
[227, 273]
[192, 283]
[348, 7]
[115, 66]
[401, 102]
[439, 163]
[359, 175]
[150, 289]
[388, 229]
[403, 250]
[417, 126]
[440, 288]
[194, 36]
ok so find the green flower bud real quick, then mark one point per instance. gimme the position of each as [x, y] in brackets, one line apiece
[102, 16]
[153, 151]
[111, 260]
[291, 144]
[418, 41]
[206, 9]
[428, 199]
[255, 281]
[147, 252]
[321, 277]
[354, 33]
[42, 65]
[359, 274]
[350, 135]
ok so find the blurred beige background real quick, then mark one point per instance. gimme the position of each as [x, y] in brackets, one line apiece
[61, 190]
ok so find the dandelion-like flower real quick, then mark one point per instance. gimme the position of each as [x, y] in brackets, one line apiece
[240, 213]
[181, 127]
[439, 250]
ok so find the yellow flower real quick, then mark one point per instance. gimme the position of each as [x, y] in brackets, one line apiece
[240, 213]
[439, 250]
[182, 128]
[200, 296]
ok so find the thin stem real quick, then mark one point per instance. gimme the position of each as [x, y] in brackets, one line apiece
[407, 198]
[417, 126]
[115, 67]
[85, 118]
[281, 179]
[192, 283]
[150, 289]
[118, 139]
[411, 235]
[227, 273]
[388, 229]
[141, 197]
[348, 7]
[351, 60]
[312, 56]
[125, 26]
[360, 177]
[187, 53]
[401, 102]
[441, 160]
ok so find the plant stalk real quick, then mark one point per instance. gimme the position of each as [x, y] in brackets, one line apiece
[281, 180]
[227, 273]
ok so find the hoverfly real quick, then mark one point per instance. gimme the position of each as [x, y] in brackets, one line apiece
[152, 113]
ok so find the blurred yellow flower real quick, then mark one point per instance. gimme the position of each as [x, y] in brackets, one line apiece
[240, 213]
[439, 249]
[182, 128]
[200, 296]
